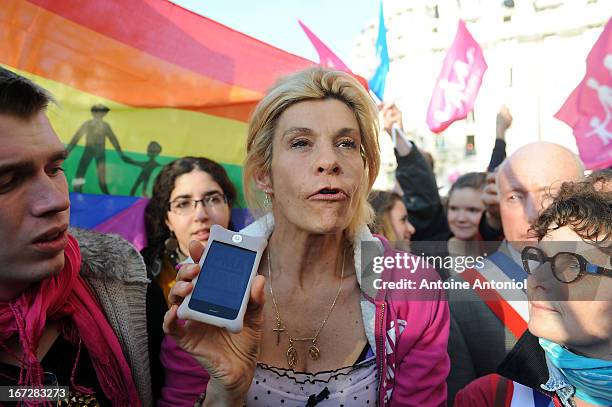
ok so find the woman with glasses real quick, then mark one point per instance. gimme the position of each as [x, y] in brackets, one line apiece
[566, 356]
[189, 196]
[312, 334]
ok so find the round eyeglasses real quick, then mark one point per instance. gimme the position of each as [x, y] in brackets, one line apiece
[186, 206]
[567, 267]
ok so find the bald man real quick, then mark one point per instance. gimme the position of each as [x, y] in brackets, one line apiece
[526, 180]
[481, 335]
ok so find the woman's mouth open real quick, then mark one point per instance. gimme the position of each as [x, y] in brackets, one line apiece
[329, 195]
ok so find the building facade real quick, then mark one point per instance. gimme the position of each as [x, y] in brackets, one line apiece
[535, 51]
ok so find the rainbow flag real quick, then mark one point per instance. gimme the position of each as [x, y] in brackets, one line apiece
[139, 83]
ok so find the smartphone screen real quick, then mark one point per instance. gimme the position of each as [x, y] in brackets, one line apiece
[223, 280]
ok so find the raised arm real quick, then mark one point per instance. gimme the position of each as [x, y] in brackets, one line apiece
[503, 121]
[108, 132]
[417, 181]
[490, 227]
[77, 136]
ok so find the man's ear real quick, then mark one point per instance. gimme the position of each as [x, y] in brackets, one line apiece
[263, 180]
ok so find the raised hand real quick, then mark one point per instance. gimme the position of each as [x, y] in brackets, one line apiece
[503, 121]
[230, 359]
[391, 116]
[490, 198]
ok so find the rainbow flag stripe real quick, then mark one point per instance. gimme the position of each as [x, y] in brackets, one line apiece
[138, 84]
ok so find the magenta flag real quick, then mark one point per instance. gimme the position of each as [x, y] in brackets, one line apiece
[129, 224]
[458, 83]
[326, 56]
[588, 109]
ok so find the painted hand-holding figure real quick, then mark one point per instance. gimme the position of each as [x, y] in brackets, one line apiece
[153, 150]
[96, 131]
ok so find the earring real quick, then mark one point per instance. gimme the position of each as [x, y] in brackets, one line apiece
[267, 200]
[171, 244]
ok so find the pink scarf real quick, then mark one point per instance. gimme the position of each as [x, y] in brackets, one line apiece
[66, 296]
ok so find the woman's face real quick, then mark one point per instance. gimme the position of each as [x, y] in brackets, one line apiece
[317, 169]
[567, 313]
[399, 220]
[195, 225]
[465, 208]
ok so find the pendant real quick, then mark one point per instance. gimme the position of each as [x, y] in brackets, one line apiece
[313, 351]
[292, 355]
[278, 330]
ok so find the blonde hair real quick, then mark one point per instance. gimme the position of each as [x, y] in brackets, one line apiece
[314, 84]
[383, 202]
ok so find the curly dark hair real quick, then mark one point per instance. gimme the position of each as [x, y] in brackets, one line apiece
[580, 205]
[156, 211]
[601, 179]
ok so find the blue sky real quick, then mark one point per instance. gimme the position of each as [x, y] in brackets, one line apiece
[336, 22]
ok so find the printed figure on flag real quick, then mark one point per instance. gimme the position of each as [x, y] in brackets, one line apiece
[458, 83]
[604, 94]
[207, 80]
[96, 131]
[588, 109]
[153, 150]
[454, 92]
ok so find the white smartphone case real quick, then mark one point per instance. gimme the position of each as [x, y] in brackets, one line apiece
[256, 244]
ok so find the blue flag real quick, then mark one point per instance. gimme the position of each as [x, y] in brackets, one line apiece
[377, 82]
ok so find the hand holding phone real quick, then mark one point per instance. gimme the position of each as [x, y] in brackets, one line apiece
[229, 358]
[227, 269]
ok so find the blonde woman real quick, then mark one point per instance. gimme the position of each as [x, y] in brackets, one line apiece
[391, 218]
[311, 335]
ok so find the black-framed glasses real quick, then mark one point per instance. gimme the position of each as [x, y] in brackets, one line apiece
[567, 267]
[186, 206]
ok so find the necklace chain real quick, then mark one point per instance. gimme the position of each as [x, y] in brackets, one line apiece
[313, 351]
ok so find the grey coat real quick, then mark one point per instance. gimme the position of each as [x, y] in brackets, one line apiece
[116, 273]
[478, 340]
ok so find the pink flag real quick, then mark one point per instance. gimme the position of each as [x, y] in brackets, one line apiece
[588, 109]
[326, 56]
[129, 224]
[458, 82]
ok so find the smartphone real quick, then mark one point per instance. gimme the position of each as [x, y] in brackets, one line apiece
[222, 289]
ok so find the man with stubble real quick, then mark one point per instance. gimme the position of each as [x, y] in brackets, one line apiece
[479, 339]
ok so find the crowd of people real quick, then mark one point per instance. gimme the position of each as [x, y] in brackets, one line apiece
[86, 311]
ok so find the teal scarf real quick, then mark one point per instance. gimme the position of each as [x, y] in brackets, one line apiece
[591, 378]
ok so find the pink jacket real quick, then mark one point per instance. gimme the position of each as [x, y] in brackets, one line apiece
[410, 338]
[411, 331]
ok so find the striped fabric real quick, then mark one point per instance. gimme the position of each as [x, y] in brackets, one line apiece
[494, 390]
[166, 75]
[523, 396]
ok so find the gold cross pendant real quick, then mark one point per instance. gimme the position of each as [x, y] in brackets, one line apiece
[278, 331]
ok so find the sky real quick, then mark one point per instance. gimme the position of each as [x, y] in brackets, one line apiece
[336, 22]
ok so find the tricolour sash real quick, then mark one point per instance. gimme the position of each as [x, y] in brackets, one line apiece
[512, 313]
